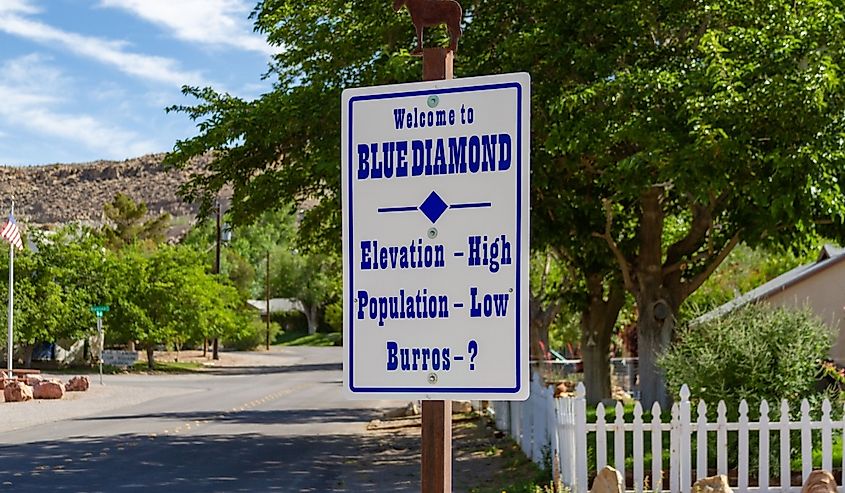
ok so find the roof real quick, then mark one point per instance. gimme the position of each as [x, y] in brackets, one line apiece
[829, 256]
[276, 305]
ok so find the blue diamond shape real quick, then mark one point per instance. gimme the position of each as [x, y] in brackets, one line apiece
[433, 207]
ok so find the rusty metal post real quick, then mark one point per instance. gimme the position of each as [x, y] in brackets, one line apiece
[436, 446]
[438, 64]
[437, 415]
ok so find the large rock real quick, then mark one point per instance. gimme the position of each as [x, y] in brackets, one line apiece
[819, 481]
[608, 480]
[712, 484]
[33, 380]
[49, 389]
[17, 392]
[461, 407]
[77, 384]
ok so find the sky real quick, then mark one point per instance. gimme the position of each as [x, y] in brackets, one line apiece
[83, 80]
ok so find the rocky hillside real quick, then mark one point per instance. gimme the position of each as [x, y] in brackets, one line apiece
[64, 193]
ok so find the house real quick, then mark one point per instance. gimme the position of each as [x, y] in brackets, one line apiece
[276, 305]
[819, 286]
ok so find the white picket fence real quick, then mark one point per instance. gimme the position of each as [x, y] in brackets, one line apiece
[546, 427]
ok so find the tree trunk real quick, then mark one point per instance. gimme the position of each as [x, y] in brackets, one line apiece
[130, 346]
[312, 316]
[597, 322]
[27, 355]
[655, 307]
[538, 327]
[151, 363]
[595, 354]
[205, 347]
[655, 328]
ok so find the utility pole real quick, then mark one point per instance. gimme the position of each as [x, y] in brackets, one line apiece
[267, 297]
[214, 354]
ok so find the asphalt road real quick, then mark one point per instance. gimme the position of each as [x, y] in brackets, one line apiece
[284, 426]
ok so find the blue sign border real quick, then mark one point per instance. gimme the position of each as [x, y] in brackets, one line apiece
[351, 301]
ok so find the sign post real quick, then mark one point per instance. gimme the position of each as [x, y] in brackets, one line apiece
[99, 310]
[435, 245]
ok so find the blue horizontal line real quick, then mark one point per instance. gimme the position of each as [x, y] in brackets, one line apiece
[458, 358]
[459, 305]
[471, 205]
[459, 254]
[398, 209]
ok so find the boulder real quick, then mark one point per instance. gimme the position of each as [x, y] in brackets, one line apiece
[17, 392]
[33, 380]
[608, 480]
[712, 484]
[565, 389]
[412, 409]
[77, 384]
[49, 389]
[461, 407]
[819, 481]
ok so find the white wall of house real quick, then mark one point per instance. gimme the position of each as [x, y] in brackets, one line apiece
[824, 293]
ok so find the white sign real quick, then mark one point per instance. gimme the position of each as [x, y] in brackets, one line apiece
[119, 358]
[435, 239]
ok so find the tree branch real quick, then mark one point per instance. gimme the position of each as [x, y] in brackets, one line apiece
[624, 265]
[702, 220]
[697, 281]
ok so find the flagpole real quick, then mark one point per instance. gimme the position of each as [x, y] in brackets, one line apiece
[10, 334]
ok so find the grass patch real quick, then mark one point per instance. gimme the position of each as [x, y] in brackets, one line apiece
[166, 367]
[138, 367]
[302, 338]
[513, 471]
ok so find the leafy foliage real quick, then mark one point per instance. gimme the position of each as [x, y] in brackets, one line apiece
[129, 225]
[663, 133]
[757, 352]
[743, 270]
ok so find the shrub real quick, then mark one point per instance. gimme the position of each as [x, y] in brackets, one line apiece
[756, 352]
[252, 336]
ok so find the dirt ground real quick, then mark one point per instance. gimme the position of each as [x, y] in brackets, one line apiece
[483, 459]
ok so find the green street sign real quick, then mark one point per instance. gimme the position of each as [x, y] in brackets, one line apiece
[100, 309]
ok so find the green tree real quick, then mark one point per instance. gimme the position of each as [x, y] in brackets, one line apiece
[56, 285]
[279, 146]
[128, 223]
[721, 124]
[309, 278]
[168, 297]
[662, 134]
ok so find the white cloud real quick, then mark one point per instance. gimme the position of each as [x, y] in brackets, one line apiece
[213, 22]
[113, 53]
[18, 6]
[29, 89]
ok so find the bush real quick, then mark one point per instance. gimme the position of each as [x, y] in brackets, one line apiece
[756, 352]
[252, 337]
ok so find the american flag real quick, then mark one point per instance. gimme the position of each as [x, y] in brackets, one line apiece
[12, 233]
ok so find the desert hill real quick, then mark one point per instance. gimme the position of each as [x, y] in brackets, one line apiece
[63, 193]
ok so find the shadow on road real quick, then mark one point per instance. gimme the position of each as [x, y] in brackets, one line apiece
[271, 417]
[230, 463]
